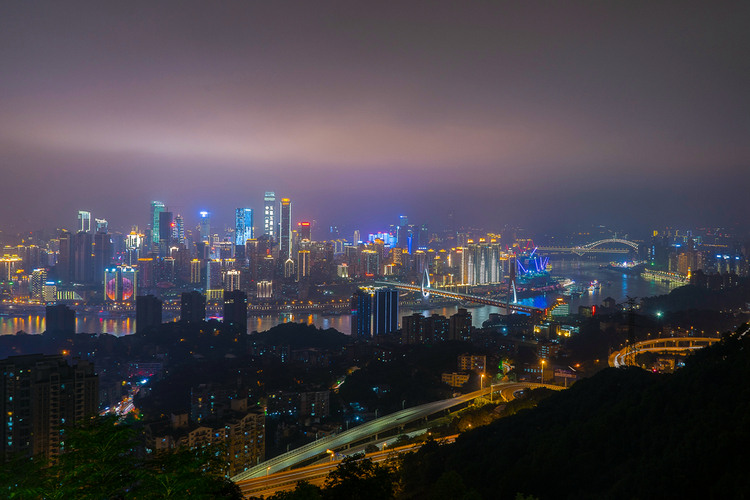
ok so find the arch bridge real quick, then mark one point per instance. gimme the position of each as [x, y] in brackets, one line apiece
[593, 247]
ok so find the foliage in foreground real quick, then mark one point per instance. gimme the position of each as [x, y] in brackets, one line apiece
[102, 462]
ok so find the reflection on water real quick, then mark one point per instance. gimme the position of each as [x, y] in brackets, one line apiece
[615, 284]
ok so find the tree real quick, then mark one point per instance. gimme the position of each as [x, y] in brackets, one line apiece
[358, 478]
[302, 491]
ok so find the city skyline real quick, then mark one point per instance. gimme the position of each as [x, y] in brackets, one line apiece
[524, 114]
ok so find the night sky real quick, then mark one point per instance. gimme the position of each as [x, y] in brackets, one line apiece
[635, 114]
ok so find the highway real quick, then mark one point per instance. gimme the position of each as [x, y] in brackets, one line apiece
[313, 474]
[373, 428]
[665, 345]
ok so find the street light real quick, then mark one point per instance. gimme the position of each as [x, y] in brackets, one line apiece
[268, 469]
[402, 404]
[542, 371]
[332, 454]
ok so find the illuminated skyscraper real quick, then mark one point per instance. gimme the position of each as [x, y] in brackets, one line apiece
[38, 280]
[205, 226]
[166, 225]
[120, 284]
[285, 234]
[243, 226]
[156, 208]
[269, 214]
[303, 229]
[178, 235]
[102, 226]
[375, 312]
[84, 221]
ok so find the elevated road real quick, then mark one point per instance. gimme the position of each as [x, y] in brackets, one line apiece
[665, 345]
[373, 429]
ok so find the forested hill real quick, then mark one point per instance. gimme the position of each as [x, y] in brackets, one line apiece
[624, 433]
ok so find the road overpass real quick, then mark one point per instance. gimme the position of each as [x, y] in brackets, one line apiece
[671, 345]
[373, 428]
[465, 296]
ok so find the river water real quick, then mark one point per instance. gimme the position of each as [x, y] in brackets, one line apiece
[620, 286]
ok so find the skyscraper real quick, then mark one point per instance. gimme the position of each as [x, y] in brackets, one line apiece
[38, 280]
[303, 229]
[205, 226]
[375, 312]
[269, 214]
[102, 226]
[178, 235]
[84, 221]
[192, 307]
[243, 226]
[285, 234]
[156, 208]
[166, 225]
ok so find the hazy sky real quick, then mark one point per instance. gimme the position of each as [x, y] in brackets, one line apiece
[531, 113]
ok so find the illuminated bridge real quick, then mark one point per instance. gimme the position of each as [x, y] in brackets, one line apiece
[669, 345]
[464, 296]
[594, 247]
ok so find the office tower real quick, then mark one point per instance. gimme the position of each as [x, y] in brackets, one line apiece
[156, 208]
[83, 258]
[60, 318]
[303, 264]
[166, 225]
[146, 272]
[205, 226]
[424, 236]
[103, 253]
[264, 290]
[285, 233]
[269, 214]
[213, 275]
[265, 268]
[303, 229]
[38, 395]
[102, 226]
[120, 284]
[357, 237]
[147, 312]
[192, 307]
[232, 280]
[375, 312]
[401, 235]
[49, 292]
[195, 271]
[179, 233]
[235, 310]
[243, 226]
[38, 280]
[84, 221]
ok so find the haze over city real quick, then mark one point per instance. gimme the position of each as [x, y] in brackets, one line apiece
[510, 113]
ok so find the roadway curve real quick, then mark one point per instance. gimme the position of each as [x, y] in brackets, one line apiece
[373, 428]
[619, 358]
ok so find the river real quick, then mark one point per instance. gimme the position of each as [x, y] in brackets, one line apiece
[621, 285]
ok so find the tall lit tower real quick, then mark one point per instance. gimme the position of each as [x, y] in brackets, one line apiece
[269, 214]
[285, 235]
[156, 208]
[84, 221]
[205, 225]
[179, 226]
[243, 226]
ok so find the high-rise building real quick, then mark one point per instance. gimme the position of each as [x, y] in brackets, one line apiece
[38, 395]
[303, 229]
[147, 312]
[235, 310]
[166, 225]
[178, 235]
[232, 280]
[285, 232]
[156, 208]
[401, 231]
[103, 253]
[120, 284]
[195, 271]
[303, 264]
[38, 280]
[269, 214]
[65, 260]
[375, 312]
[192, 307]
[102, 226]
[460, 325]
[84, 221]
[49, 291]
[84, 258]
[243, 226]
[205, 226]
